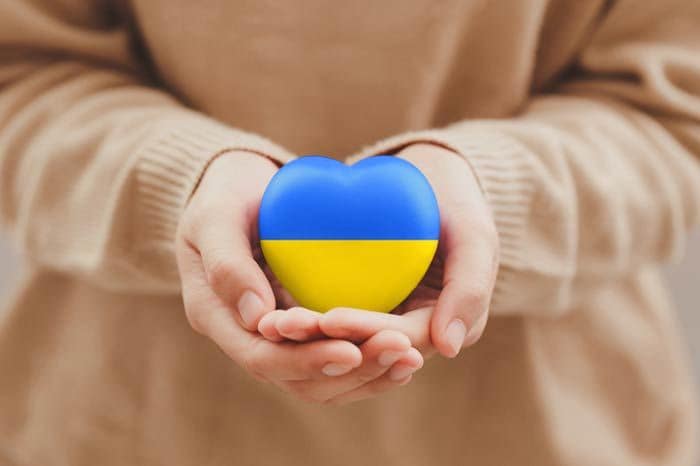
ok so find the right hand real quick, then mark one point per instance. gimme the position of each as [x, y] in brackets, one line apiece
[226, 293]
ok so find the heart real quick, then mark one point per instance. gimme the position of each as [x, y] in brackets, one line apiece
[359, 236]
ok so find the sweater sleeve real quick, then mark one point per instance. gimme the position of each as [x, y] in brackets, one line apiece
[96, 166]
[600, 176]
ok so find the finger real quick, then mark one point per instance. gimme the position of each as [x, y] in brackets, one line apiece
[290, 361]
[359, 325]
[202, 306]
[267, 326]
[399, 375]
[282, 361]
[232, 271]
[299, 324]
[264, 359]
[470, 269]
[379, 354]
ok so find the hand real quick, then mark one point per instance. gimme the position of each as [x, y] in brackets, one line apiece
[217, 229]
[449, 308]
[226, 293]
[458, 285]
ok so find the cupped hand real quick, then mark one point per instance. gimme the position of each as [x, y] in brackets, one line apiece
[449, 308]
[226, 294]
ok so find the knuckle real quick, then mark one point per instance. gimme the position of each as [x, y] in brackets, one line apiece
[221, 273]
[226, 273]
[474, 299]
[473, 303]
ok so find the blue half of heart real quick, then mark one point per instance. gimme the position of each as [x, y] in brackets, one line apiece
[380, 197]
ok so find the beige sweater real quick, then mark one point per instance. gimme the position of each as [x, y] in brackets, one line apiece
[581, 118]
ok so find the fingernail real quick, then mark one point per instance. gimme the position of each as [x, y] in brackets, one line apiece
[250, 307]
[388, 358]
[400, 372]
[334, 369]
[454, 334]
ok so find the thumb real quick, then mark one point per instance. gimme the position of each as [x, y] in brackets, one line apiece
[462, 308]
[233, 273]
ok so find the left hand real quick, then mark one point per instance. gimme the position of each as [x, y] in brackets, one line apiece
[449, 308]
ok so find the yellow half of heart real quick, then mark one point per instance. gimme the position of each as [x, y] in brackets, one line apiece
[363, 274]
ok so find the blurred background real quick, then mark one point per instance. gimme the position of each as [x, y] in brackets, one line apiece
[683, 280]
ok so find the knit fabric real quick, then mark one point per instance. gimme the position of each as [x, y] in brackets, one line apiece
[580, 120]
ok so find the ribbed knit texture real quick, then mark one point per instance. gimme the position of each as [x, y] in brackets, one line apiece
[579, 119]
[171, 165]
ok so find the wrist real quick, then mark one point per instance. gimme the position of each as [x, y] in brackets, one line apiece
[242, 158]
[433, 159]
[236, 161]
[427, 150]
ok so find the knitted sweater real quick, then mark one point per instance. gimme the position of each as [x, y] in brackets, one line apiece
[581, 120]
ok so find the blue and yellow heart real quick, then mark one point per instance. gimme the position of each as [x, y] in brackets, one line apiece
[358, 236]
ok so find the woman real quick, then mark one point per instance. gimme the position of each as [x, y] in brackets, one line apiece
[561, 138]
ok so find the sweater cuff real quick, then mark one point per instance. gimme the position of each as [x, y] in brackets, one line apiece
[171, 163]
[503, 169]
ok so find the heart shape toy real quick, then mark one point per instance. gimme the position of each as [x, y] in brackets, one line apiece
[358, 236]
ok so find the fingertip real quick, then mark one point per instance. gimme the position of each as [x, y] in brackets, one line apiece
[414, 358]
[343, 314]
[267, 327]
[354, 354]
[336, 351]
[332, 323]
[298, 324]
[400, 371]
[353, 324]
[284, 324]
[392, 339]
[402, 382]
[333, 317]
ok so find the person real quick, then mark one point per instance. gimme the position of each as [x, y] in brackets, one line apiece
[561, 139]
